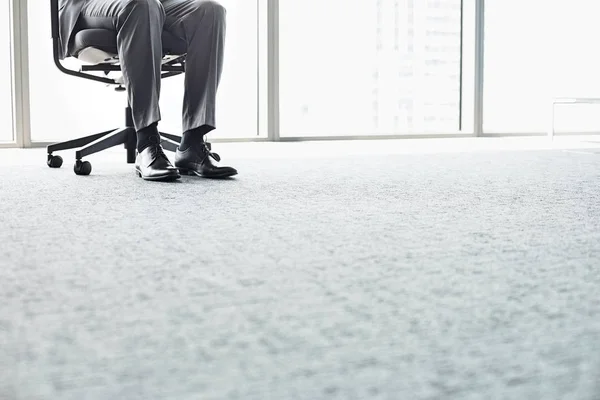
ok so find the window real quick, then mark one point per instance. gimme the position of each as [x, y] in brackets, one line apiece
[64, 107]
[6, 107]
[536, 50]
[380, 67]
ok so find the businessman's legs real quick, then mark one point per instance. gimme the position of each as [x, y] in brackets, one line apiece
[201, 24]
[139, 26]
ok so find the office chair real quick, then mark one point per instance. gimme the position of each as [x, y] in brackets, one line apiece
[97, 50]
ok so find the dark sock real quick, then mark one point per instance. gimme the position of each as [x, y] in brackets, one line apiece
[147, 136]
[194, 137]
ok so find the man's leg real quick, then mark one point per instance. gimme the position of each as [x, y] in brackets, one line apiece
[139, 26]
[201, 24]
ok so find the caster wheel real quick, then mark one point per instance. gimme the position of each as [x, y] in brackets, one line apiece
[54, 161]
[83, 168]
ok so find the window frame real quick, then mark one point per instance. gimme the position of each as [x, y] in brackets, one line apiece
[18, 75]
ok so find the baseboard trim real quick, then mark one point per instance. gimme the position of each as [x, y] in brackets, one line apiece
[362, 138]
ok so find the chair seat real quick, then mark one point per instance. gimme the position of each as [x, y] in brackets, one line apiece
[97, 46]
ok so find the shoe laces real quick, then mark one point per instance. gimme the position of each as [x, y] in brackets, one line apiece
[156, 153]
[155, 145]
[206, 150]
[159, 152]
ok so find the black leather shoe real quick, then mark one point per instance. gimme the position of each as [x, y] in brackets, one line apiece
[152, 164]
[198, 160]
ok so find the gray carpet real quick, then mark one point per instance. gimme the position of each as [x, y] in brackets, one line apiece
[424, 276]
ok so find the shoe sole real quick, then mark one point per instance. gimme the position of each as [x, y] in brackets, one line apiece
[162, 178]
[195, 173]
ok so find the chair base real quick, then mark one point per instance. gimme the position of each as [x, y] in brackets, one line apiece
[98, 142]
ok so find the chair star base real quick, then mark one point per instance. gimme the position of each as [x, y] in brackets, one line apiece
[98, 142]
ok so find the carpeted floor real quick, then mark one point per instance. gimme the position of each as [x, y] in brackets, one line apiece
[441, 275]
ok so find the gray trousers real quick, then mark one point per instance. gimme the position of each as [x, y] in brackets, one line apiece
[139, 25]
